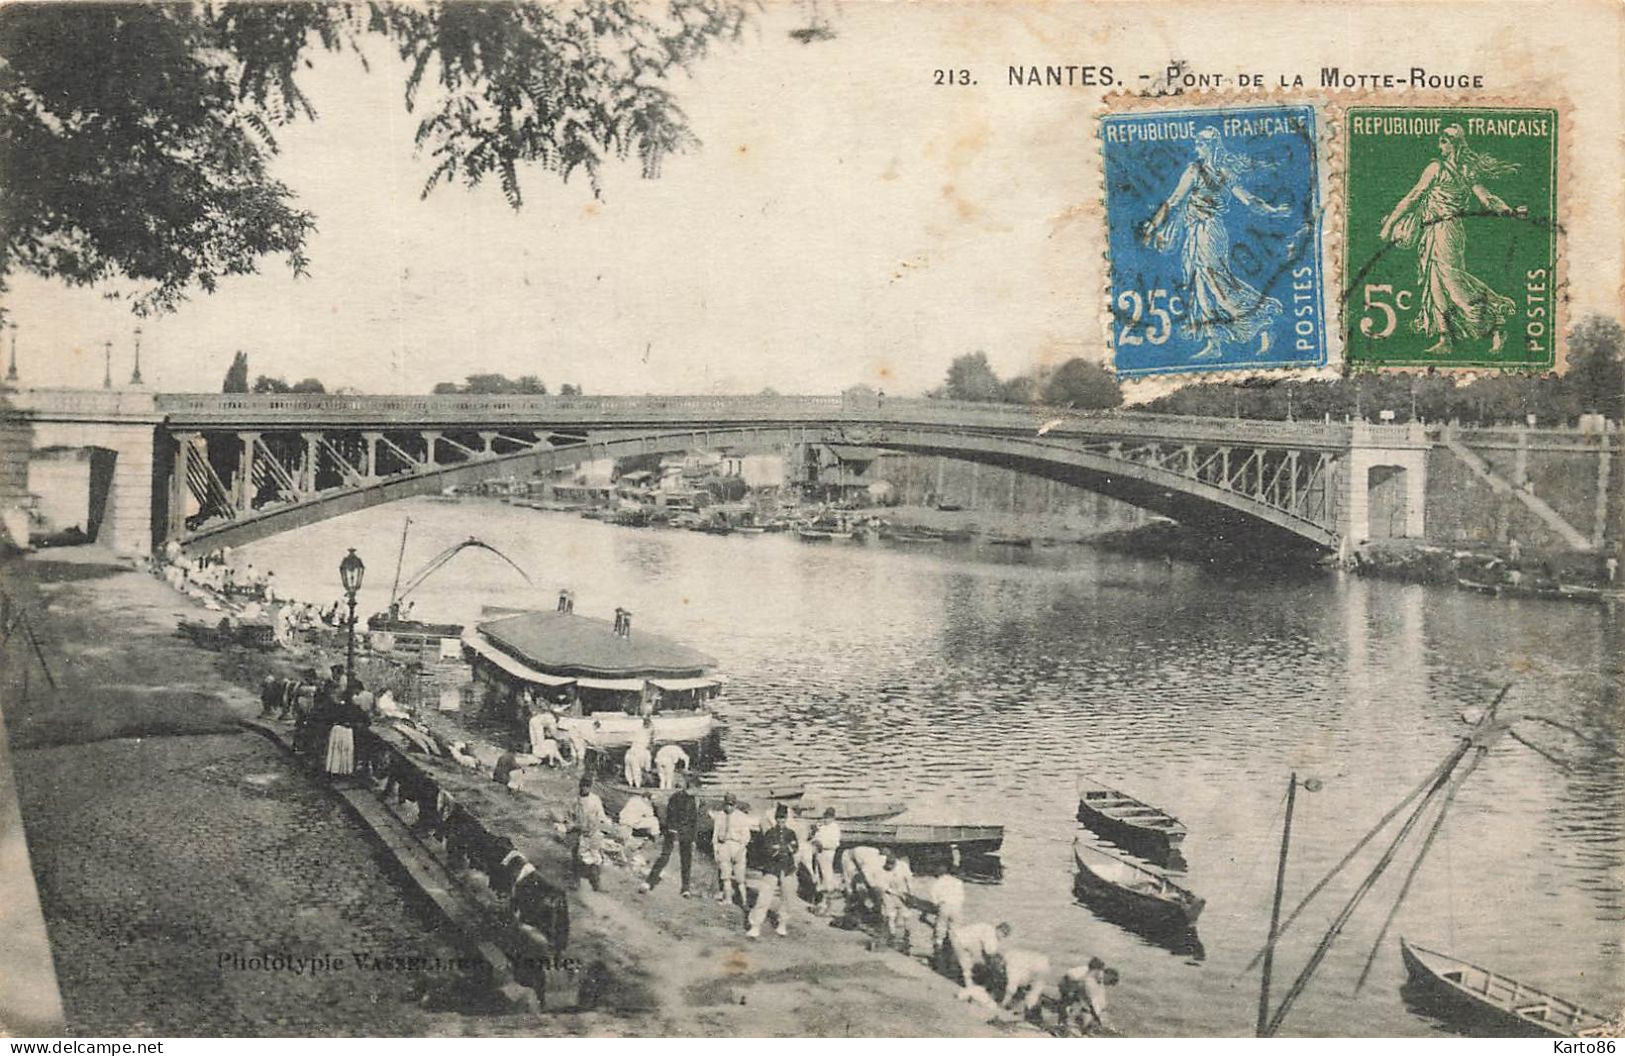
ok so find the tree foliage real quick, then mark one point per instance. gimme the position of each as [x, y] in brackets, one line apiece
[970, 377]
[135, 138]
[1082, 384]
[1076, 383]
[494, 385]
[236, 374]
[306, 385]
[1593, 384]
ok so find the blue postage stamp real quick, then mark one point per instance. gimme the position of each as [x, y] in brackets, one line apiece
[1213, 221]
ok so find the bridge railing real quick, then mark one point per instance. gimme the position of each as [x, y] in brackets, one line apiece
[293, 410]
[99, 403]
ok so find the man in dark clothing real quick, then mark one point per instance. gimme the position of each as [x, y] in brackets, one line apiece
[682, 825]
[779, 847]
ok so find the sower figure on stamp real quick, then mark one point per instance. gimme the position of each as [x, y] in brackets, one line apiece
[1453, 303]
[1221, 307]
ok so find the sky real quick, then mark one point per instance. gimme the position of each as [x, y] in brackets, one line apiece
[846, 220]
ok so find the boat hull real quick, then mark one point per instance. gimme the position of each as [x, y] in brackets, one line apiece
[1486, 1003]
[618, 731]
[929, 842]
[1157, 909]
[1155, 836]
[615, 795]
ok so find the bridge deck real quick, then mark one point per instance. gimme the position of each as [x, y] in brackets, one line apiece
[224, 412]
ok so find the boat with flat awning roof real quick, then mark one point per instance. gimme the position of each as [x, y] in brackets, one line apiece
[600, 679]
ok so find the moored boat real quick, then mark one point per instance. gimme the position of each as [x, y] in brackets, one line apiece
[1139, 897]
[849, 809]
[1496, 1004]
[615, 794]
[929, 840]
[600, 680]
[1134, 826]
[823, 535]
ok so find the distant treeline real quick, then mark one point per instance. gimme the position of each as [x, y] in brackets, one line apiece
[1594, 383]
[502, 385]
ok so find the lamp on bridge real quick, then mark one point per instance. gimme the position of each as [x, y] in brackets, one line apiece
[11, 371]
[351, 569]
[135, 375]
[107, 364]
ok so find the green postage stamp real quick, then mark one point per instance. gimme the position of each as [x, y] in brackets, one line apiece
[1450, 248]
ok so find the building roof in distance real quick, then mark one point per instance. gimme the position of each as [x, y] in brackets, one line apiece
[568, 644]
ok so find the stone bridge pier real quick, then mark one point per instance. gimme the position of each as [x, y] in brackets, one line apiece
[120, 426]
[1385, 485]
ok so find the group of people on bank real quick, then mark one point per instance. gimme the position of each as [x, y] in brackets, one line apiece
[771, 869]
[328, 722]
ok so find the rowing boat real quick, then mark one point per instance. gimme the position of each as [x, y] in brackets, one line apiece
[1496, 1003]
[615, 794]
[849, 809]
[1134, 826]
[923, 839]
[1139, 896]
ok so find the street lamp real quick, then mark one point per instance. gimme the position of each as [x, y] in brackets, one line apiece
[107, 364]
[351, 569]
[11, 371]
[135, 375]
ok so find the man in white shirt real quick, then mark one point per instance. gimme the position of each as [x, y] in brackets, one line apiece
[667, 760]
[1024, 972]
[542, 727]
[895, 880]
[730, 835]
[588, 824]
[976, 945]
[639, 816]
[1083, 997]
[860, 866]
[638, 757]
[948, 892]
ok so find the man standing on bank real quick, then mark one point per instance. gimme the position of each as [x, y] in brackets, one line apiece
[730, 835]
[587, 825]
[682, 825]
[779, 846]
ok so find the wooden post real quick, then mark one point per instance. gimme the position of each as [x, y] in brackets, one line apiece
[1275, 911]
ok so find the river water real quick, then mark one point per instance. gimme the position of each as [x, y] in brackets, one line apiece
[978, 682]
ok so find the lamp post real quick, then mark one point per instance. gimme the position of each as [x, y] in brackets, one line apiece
[1264, 1029]
[135, 375]
[11, 371]
[351, 569]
